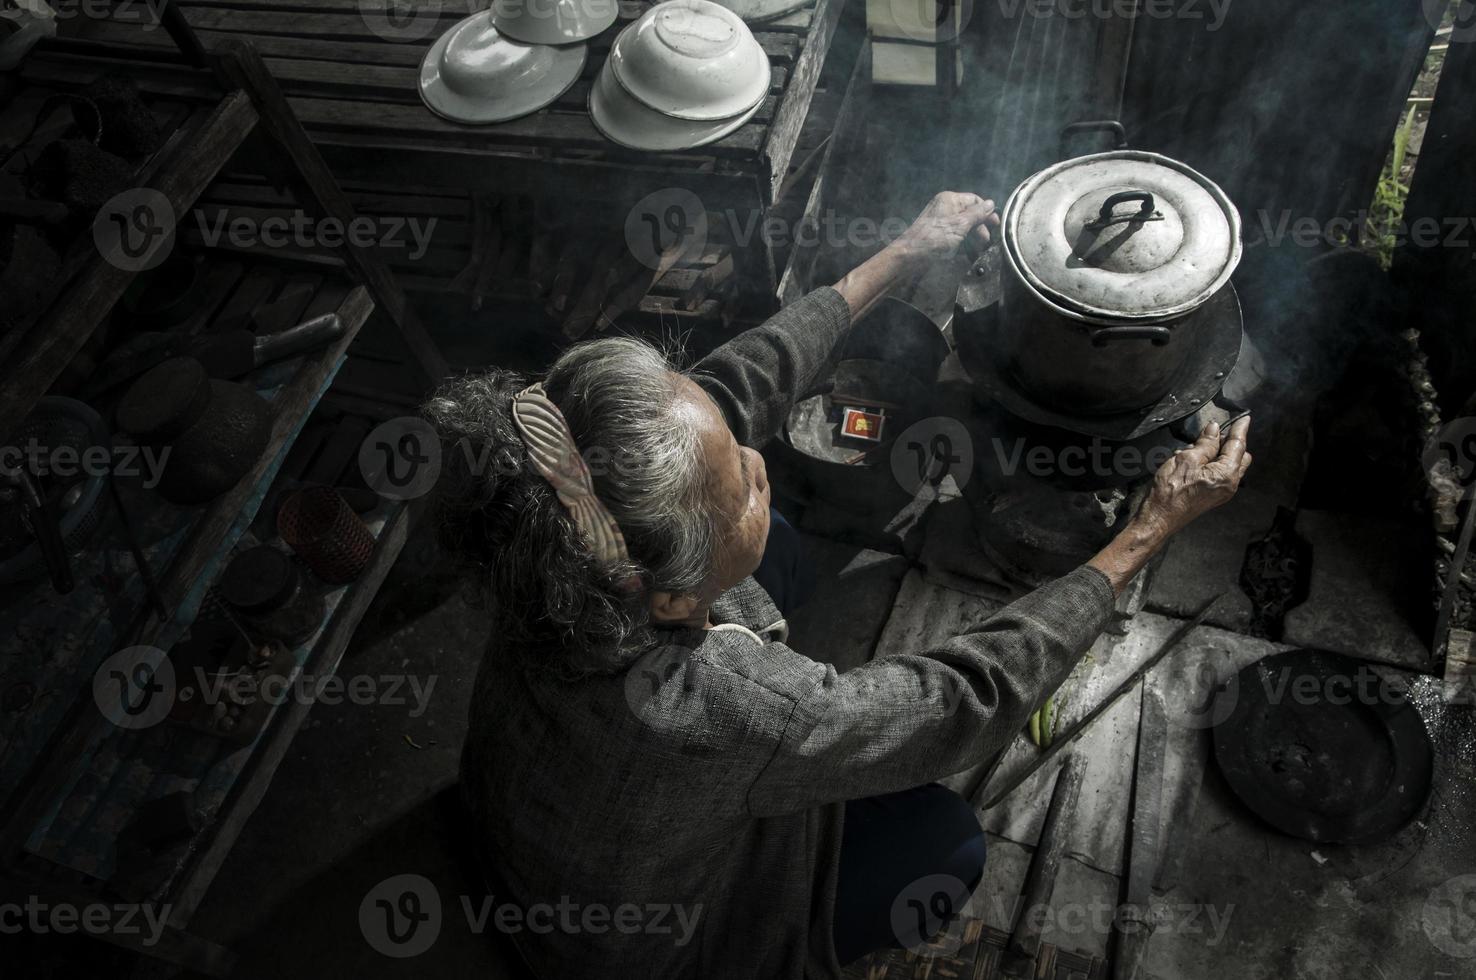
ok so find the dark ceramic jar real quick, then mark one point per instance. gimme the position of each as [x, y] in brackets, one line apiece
[214, 431]
[264, 587]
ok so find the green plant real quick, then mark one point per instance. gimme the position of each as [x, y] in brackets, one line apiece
[1390, 195]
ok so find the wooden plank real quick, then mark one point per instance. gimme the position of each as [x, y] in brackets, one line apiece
[564, 129]
[384, 201]
[525, 173]
[124, 42]
[355, 27]
[54, 340]
[789, 120]
[268, 753]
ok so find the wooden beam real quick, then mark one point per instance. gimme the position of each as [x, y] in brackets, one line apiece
[241, 67]
[784, 132]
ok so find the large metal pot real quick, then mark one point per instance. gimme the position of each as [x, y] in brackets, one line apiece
[1110, 263]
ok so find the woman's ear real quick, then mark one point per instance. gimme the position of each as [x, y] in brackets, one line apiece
[668, 608]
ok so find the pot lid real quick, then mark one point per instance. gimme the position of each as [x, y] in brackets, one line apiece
[1126, 234]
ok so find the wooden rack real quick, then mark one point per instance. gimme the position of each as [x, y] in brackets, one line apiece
[351, 78]
[40, 762]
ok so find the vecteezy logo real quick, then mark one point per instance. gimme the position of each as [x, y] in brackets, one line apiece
[402, 21]
[1450, 455]
[667, 226]
[401, 916]
[1207, 704]
[134, 230]
[1449, 917]
[134, 688]
[930, 450]
[923, 910]
[401, 458]
[648, 675]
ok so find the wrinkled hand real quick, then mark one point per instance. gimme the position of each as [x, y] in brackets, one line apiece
[1198, 479]
[950, 223]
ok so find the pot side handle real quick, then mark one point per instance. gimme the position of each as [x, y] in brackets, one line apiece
[1118, 131]
[1160, 336]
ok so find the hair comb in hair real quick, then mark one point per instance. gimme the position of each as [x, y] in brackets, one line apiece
[553, 454]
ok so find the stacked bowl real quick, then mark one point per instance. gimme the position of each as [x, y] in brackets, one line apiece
[512, 59]
[687, 73]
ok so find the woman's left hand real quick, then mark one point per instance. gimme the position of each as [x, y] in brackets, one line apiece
[951, 221]
[951, 225]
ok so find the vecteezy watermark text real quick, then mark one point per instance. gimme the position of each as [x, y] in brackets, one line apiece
[68, 462]
[1308, 232]
[403, 916]
[137, 687]
[409, 234]
[38, 916]
[1213, 11]
[392, 690]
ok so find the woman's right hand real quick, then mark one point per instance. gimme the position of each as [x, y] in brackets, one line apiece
[1192, 482]
[1196, 480]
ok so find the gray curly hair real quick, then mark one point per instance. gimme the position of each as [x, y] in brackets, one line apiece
[502, 518]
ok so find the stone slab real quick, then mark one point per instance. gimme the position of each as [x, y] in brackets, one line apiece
[1362, 593]
[1205, 559]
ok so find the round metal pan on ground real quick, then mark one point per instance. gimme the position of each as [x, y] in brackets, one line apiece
[1321, 747]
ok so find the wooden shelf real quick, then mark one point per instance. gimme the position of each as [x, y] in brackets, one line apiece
[188, 556]
[60, 822]
[234, 779]
[325, 652]
[354, 87]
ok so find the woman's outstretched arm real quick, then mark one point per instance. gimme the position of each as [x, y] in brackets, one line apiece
[756, 377]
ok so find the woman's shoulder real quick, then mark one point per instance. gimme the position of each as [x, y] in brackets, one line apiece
[733, 660]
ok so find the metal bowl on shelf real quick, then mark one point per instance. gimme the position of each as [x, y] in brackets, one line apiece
[691, 59]
[625, 120]
[475, 74]
[553, 21]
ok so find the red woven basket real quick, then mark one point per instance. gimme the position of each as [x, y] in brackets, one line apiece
[327, 535]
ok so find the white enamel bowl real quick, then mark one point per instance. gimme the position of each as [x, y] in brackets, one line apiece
[553, 21]
[472, 74]
[624, 120]
[758, 11]
[691, 59]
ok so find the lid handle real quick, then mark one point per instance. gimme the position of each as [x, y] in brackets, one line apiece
[1148, 211]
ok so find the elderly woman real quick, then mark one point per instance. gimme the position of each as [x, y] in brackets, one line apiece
[659, 783]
